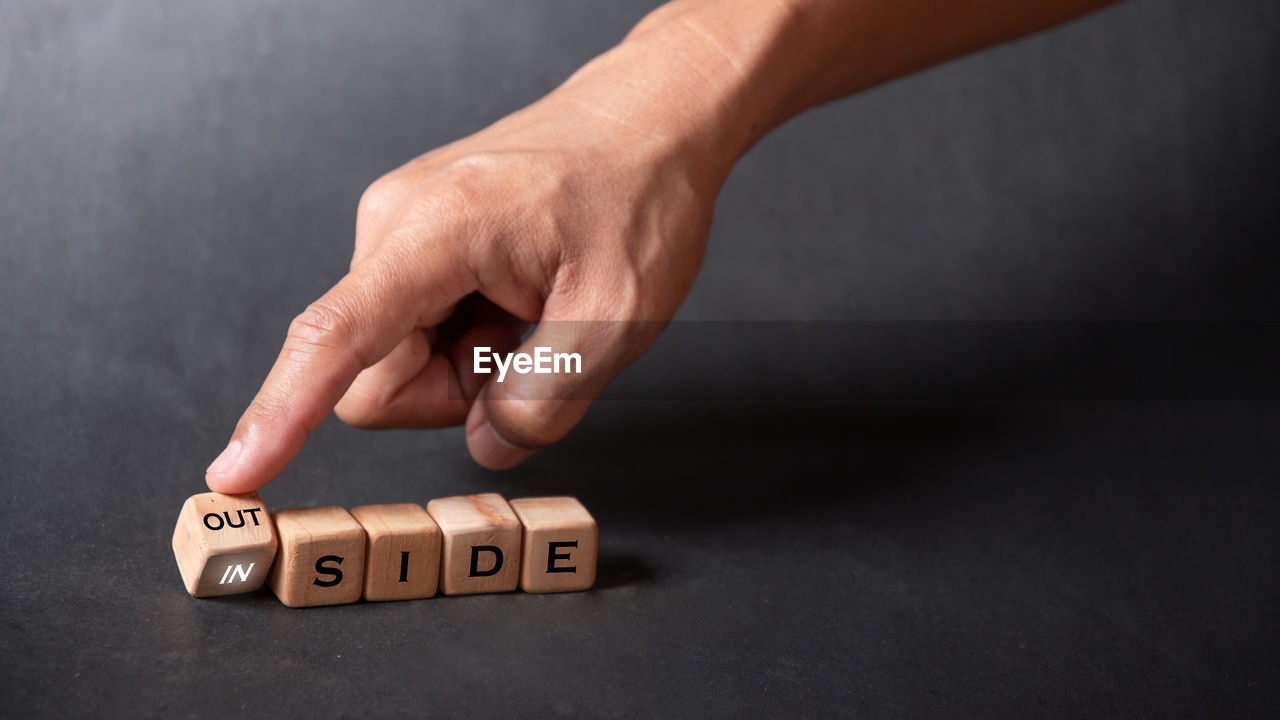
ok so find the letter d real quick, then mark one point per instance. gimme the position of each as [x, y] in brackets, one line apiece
[475, 560]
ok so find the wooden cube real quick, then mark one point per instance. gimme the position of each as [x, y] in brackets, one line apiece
[320, 560]
[402, 551]
[224, 544]
[560, 544]
[481, 544]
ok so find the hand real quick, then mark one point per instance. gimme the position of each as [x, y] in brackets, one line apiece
[591, 205]
[559, 214]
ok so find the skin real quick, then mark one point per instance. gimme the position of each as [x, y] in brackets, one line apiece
[585, 213]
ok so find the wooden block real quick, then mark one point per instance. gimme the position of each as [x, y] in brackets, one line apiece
[481, 544]
[223, 543]
[560, 544]
[402, 552]
[321, 557]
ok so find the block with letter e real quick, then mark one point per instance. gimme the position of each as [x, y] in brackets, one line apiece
[321, 557]
[560, 544]
[224, 544]
[481, 544]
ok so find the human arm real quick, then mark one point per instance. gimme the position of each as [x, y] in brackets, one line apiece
[585, 213]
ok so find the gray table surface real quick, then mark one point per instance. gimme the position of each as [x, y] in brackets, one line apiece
[909, 452]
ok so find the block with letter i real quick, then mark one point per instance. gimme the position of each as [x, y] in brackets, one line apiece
[481, 544]
[560, 544]
[402, 551]
[321, 557]
[223, 543]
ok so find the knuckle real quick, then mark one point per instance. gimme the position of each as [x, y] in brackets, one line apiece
[377, 197]
[481, 164]
[630, 319]
[448, 203]
[614, 292]
[494, 178]
[441, 204]
[627, 297]
[385, 194]
[322, 325]
[470, 182]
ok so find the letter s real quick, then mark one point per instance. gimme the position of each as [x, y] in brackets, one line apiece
[322, 570]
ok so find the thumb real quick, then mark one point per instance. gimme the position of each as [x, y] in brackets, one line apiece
[568, 364]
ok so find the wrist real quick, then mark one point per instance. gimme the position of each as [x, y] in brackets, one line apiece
[700, 82]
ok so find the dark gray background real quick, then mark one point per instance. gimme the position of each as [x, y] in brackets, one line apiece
[948, 518]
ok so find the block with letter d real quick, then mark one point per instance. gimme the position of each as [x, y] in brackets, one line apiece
[224, 544]
[481, 544]
[321, 557]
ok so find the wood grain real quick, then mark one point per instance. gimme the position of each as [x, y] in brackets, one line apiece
[479, 530]
[402, 551]
[559, 545]
[320, 560]
[224, 544]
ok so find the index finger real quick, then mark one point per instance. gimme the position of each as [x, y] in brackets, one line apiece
[351, 327]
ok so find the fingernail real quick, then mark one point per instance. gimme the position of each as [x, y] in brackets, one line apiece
[226, 461]
[492, 451]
